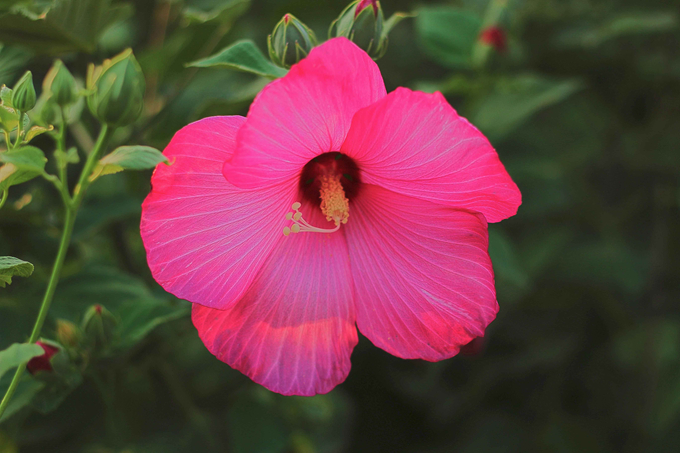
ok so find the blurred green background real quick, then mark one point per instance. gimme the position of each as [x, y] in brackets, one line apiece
[583, 108]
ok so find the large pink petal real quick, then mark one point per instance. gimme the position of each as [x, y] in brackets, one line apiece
[205, 238]
[306, 113]
[423, 279]
[293, 331]
[416, 144]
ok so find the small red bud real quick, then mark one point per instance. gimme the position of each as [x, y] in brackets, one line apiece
[363, 4]
[495, 37]
[42, 362]
[98, 309]
[286, 18]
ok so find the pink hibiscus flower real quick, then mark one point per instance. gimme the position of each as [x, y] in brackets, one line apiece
[389, 195]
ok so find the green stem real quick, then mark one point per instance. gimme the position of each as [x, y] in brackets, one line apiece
[18, 140]
[5, 193]
[69, 221]
[61, 146]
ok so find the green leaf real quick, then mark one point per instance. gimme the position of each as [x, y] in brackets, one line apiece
[56, 27]
[26, 390]
[69, 157]
[243, 56]
[139, 317]
[36, 130]
[393, 21]
[10, 267]
[17, 354]
[222, 13]
[65, 378]
[448, 34]
[615, 27]
[129, 158]
[12, 60]
[517, 99]
[99, 212]
[27, 158]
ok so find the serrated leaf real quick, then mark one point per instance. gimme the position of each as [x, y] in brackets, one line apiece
[243, 56]
[448, 34]
[17, 354]
[129, 158]
[10, 267]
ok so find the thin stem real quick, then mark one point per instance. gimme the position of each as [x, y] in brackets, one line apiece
[5, 193]
[8, 141]
[18, 140]
[61, 146]
[69, 221]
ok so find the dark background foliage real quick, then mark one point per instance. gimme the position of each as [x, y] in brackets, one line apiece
[584, 110]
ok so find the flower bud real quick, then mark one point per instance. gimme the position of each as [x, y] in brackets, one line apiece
[290, 42]
[67, 333]
[23, 93]
[98, 326]
[496, 38]
[117, 90]
[60, 84]
[42, 362]
[362, 22]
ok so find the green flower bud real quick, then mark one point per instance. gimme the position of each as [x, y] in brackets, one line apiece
[98, 327]
[117, 90]
[362, 22]
[60, 84]
[290, 42]
[23, 93]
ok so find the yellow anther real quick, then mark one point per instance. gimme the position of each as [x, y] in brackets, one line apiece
[286, 231]
[297, 216]
[334, 204]
[289, 216]
[295, 228]
[296, 206]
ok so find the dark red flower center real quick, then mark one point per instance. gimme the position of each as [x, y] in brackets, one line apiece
[333, 164]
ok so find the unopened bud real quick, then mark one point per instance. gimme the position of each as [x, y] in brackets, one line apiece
[23, 93]
[496, 38]
[117, 87]
[67, 333]
[290, 41]
[362, 22]
[60, 84]
[42, 362]
[98, 326]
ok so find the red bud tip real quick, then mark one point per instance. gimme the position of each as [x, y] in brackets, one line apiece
[286, 18]
[363, 4]
[495, 37]
[42, 362]
[98, 309]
